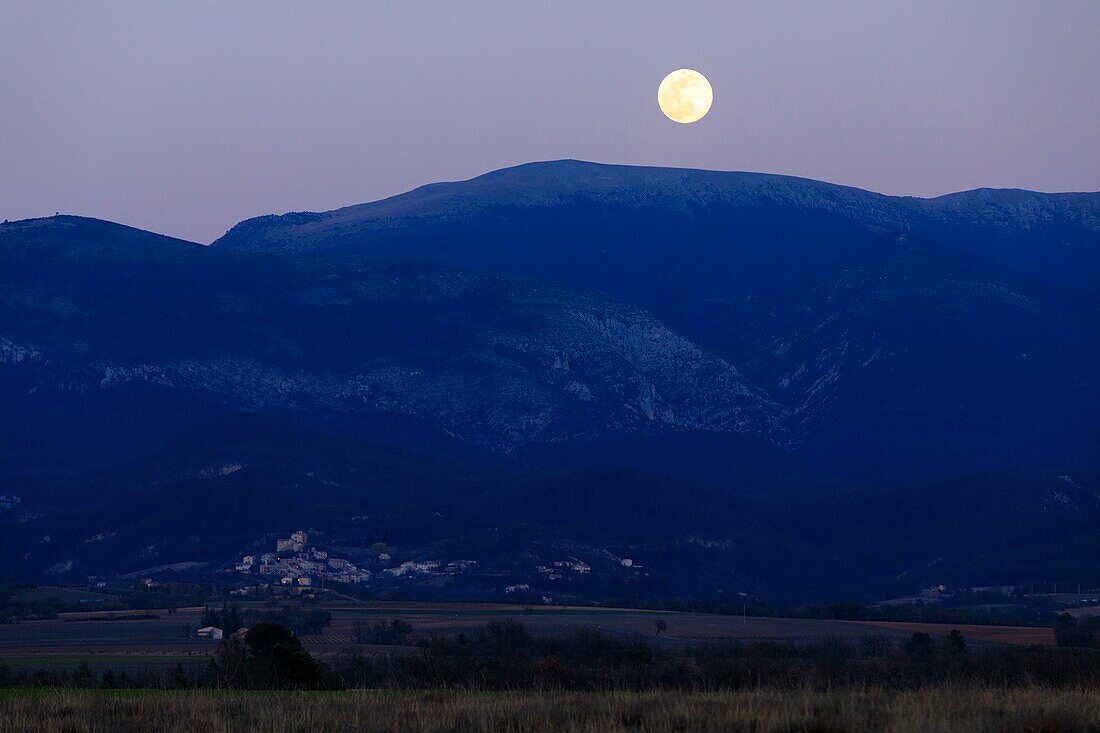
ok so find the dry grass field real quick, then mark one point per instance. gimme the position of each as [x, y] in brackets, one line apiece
[1028, 710]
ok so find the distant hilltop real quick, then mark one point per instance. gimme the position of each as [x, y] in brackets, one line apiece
[553, 183]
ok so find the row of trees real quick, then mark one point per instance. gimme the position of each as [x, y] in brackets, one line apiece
[228, 619]
[298, 619]
[1081, 632]
[965, 608]
[506, 655]
[1009, 615]
[394, 633]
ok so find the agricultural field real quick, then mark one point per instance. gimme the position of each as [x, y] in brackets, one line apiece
[682, 628]
[962, 710]
[99, 633]
[975, 633]
[45, 593]
[126, 641]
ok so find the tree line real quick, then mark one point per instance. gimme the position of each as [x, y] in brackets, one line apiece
[300, 620]
[507, 655]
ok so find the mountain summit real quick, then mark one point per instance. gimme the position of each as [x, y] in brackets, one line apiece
[910, 326]
[552, 184]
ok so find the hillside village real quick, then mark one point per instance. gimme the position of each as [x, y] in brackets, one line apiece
[296, 565]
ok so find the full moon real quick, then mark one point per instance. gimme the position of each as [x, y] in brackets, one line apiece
[685, 96]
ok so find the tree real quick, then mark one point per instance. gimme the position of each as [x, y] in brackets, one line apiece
[231, 619]
[919, 643]
[277, 660]
[179, 678]
[1069, 631]
[228, 667]
[660, 625]
[270, 657]
[955, 641]
[396, 632]
[82, 676]
[298, 620]
[209, 617]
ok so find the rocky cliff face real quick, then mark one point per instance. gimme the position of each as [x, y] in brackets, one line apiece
[897, 333]
[570, 301]
[491, 360]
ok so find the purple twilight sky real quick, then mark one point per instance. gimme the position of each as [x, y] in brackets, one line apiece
[185, 117]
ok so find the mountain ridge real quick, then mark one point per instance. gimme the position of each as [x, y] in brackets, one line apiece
[353, 337]
[549, 182]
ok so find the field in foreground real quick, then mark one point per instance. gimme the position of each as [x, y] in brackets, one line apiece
[931, 709]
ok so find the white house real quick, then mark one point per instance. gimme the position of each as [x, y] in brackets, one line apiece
[210, 632]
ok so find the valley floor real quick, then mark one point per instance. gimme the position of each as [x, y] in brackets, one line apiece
[931, 709]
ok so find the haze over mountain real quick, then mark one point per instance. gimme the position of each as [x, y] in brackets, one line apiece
[721, 345]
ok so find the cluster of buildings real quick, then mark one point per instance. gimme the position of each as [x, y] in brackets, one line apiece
[294, 563]
[296, 566]
[559, 567]
[429, 567]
